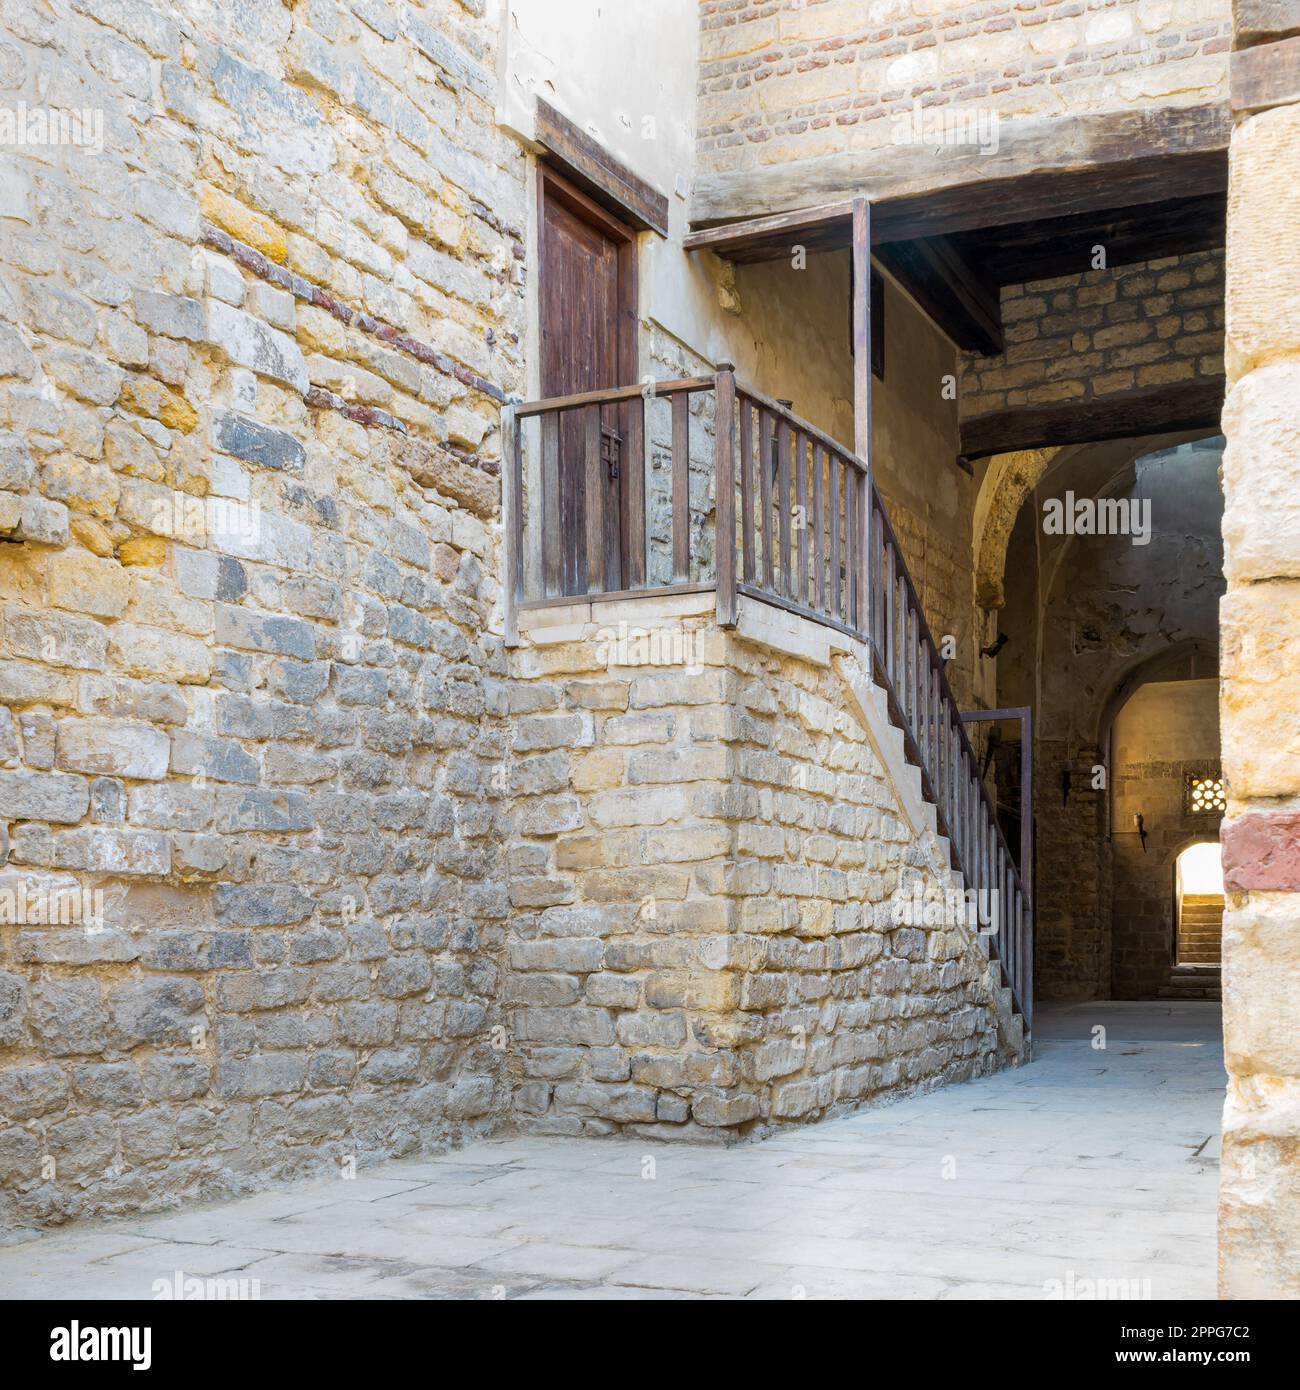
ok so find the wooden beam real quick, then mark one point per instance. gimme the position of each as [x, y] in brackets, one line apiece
[1007, 254]
[1268, 75]
[1146, 208]
[861, 329]
[1125, 415]
[947, 286]
[1264, 21]
[826, 228]
[1054, 246]
[1042, 166]
[605, 179]
[724, 465]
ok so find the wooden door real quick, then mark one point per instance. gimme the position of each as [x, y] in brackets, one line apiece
[588, 342]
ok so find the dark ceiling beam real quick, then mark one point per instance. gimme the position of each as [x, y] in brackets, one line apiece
[1126, 415]
[1000, 203]
[1055, 246]
[1040, 165]
[1183, 180]
[949, 288]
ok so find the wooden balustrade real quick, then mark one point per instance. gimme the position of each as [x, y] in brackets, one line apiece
[586, 493]
[798, 523]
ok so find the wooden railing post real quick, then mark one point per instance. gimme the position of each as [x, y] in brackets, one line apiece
[681, 488]
[635, 559]
[593, 472]
[512, 474]
[862, 404]
[724, 456]
[552, 522]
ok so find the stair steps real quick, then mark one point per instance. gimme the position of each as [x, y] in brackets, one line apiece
[880, 716]
[1193, 982]
[1200, 929]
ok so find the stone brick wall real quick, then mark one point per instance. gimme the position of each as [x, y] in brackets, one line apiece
[1259, 1210]
[251, 357]
[707, 851]
[1072, 869]
[787, 80]
[1083, 337]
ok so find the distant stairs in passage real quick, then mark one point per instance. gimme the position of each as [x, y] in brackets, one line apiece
[1200, 936]
[1193, 982]
[1200, 929]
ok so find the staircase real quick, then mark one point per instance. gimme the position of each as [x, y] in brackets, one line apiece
[909, 670]
[841, 566]
[1200, 935]
[1200, 929]
[1193, 982]
[878, 708]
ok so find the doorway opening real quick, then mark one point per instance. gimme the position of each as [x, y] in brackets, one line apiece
[588, 310]
[1198, 905]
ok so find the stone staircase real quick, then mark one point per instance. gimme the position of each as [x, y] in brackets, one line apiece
[1200, 929]
[1200, 932]
[1193, 982]
[879, 720]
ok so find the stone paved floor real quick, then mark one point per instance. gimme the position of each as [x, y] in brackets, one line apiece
[1086, 1165]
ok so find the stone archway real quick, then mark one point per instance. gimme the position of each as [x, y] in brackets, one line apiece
[1008, 480]
[1089, 620]
[1166, 732]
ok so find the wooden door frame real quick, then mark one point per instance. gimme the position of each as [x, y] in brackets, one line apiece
[552, 184]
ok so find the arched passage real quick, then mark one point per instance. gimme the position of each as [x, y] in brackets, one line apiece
[1165, 740]
[1093, 619]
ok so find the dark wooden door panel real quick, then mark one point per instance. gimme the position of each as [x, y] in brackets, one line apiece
[588, 311]
[579, 305]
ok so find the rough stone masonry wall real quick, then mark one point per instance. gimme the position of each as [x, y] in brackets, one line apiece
[784, 80]
[1084, 337]
[707, 850]
[284, 284]
[1259, 1210]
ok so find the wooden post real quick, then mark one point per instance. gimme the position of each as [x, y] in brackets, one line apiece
[593, 489]
[512, 479]
[783, 516]
[867, 579]
[681, 488]
[862, 329]
[552, 525]
[634, 476]
[724, 456]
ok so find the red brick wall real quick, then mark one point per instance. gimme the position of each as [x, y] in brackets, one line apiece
[782, 80]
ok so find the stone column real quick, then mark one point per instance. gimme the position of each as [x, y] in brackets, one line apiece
[1259, 1201]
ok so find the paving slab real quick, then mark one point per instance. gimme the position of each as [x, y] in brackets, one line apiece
[1091, 1163]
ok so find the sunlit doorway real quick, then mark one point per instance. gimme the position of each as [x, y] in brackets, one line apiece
[1198, 897]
